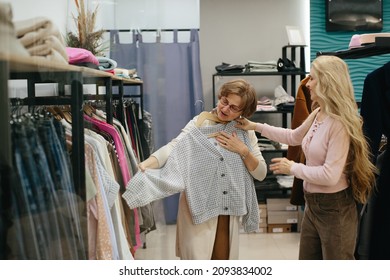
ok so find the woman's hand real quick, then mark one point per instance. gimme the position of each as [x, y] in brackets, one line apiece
[232, 143]
[281, 166]
[245, 124]
[150, 162]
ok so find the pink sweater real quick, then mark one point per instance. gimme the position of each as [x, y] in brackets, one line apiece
[325, 146]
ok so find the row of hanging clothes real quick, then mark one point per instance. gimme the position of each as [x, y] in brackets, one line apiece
[374, 240]
[374, 230]
[49, 219]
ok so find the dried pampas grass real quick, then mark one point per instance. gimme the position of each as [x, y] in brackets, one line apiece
[86, 37]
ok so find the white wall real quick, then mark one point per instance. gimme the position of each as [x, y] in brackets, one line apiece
[238, 31]
[57, 11]
[230, 31]
[154, 14]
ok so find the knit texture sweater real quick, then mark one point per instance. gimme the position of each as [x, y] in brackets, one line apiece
[215, 181]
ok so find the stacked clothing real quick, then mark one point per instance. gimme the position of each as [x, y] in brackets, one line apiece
[126, 73]
[265, 104]
[283, 101]
[267, 66]
[8, 42]
[41, 38]
[229, 68]
[107, 64]
[82, 57]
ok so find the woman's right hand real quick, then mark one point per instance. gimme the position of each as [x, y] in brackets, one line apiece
[150, 162]
[245, 124]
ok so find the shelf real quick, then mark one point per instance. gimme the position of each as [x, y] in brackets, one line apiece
[356, 53]
[274, 151]
[279, 111]
[288, 51]
[268, 73]
[270, 188]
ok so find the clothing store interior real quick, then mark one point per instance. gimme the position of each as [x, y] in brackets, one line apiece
[100, 102]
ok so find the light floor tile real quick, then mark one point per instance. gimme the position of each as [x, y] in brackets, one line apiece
[160, 245]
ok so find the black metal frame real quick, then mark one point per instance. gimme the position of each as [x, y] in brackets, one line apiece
[75, 100]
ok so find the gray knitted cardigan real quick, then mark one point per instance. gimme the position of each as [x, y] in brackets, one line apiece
[216, 182]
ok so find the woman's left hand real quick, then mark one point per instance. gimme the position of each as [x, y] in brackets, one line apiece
[281, 166]
[231, 142]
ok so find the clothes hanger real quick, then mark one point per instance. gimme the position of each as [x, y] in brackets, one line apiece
[64, 112]
[54, 113]
[208, 116]
[89, 109]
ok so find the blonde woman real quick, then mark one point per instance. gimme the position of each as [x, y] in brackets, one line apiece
[337, 173]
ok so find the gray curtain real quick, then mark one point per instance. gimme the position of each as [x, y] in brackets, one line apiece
[172, 79]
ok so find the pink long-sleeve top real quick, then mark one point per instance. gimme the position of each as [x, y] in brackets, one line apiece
[325, 146]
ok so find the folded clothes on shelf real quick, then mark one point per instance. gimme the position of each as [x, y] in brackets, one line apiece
[229, 68]
[281, 96]
[256, 66]
[285, 181]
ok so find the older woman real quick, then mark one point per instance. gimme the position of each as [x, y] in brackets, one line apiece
[214, 174]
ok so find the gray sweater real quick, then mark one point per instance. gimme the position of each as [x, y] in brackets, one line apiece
[216, 182]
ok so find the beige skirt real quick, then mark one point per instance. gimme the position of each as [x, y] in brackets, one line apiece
[198, 242]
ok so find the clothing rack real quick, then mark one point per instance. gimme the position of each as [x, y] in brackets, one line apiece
[121, 84]
[152, 30]
[75, 100]
[369, 223]
[37, 70]
[381, 46]
[107, 97]
[120, 97]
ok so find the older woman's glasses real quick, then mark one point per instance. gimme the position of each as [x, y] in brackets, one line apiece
[233, 108]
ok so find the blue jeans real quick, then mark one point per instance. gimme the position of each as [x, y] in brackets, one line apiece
[46, 222]
[68, 201]
[30, 234]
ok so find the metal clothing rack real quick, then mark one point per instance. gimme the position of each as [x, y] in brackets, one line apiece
[364, 249]
[152, 30]
[75, 100]
[379, 47]
[37, 70]
[121, 83]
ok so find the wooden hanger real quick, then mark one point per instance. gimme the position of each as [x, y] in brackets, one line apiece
[64, 112]
[208, 116]
[54, 112]
[89, 109]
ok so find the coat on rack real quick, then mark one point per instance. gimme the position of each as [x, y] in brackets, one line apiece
[302, 109]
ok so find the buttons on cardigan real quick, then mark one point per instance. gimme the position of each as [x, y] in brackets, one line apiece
[226, 208]
[221, 159]
[224, 192]
[222, 175]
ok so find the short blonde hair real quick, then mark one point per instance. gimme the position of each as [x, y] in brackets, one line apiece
[245, 90]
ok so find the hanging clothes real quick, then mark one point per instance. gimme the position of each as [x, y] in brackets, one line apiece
[124, 167]
[375, 111]
[45, 192]
[302, 109]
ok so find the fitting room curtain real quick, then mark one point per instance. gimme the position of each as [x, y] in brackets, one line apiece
[172, 79]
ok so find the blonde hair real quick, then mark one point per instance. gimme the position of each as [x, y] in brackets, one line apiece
[334, 88]
[243, 89]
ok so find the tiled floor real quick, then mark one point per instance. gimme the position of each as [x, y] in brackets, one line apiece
[160, 245]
